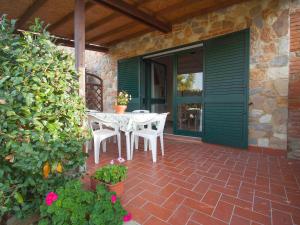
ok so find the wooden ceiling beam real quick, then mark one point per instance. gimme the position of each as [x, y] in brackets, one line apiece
[217, 6]
[136, 14]
[102, 21]
[170, 9]
[146, 30]
[130, 36]
[113, 31]
[111, 17]
[70, 43]
[68, 17]
[117, 29]
[175, 6]
[29, 12]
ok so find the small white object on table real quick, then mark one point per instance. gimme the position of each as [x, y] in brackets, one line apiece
[125, 122]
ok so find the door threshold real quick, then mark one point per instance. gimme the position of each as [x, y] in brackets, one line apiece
[181, 138]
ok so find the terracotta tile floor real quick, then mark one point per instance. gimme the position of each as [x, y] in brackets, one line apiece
[197, 183]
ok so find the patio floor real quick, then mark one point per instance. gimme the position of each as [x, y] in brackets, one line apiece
[198, 183]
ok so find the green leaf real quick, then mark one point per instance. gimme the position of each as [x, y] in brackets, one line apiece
[19, 198]
[10, 113]
[41, 120]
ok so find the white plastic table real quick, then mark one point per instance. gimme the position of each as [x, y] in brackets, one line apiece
[125, 122]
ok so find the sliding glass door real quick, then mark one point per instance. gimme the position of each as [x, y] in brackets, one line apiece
[188, 89]
[213, 105]
[155, 86]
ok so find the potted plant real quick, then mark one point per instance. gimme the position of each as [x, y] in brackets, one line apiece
[112, 175]
[122, 101]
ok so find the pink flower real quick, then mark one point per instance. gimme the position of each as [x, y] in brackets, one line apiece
[121, 160]
[113, 198]
[127, 217]
[112, 162]
[50, 198]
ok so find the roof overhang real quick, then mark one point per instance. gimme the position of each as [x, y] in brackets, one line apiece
[109, 22]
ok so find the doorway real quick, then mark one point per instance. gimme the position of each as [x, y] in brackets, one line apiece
[188, 90]
[174, 84]
[159, 87]
[204, 86]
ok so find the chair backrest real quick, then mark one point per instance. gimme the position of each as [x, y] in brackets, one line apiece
[93, 119]
[161, 119]
[141, 111]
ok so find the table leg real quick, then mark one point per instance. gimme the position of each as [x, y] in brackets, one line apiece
[127, 134]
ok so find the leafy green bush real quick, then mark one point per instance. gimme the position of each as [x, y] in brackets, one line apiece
[77, 206]
[111, 174]
[41, 114]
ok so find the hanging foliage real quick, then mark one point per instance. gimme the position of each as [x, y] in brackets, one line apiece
[41, 114]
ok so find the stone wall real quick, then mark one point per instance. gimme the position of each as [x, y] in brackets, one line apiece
[294, 86]
[100, 64]
[268, 21]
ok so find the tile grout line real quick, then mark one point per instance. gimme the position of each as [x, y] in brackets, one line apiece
[232, 214]
[271, 213]
[174, 212]
[253, 199]
[258, 168]
[168, 197]
[212, 213]
[190, 217]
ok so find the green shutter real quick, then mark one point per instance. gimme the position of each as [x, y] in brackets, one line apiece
[129, 80]
[226, 69]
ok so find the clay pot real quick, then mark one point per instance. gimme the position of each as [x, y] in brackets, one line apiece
[120, 109]
[118, 187]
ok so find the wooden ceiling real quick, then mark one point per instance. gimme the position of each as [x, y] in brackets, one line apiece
[109, 22]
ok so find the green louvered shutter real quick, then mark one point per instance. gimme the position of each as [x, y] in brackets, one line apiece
[226, 90]
[129, 80]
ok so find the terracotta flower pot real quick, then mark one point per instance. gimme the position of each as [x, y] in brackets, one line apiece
[120, 109]
[118, 187]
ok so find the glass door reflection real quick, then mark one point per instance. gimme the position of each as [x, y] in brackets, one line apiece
[188, 96]
[189, 117]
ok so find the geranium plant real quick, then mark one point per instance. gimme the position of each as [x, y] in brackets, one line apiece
[74, 205]
[41, 114]
[111, 174]
[123, 98]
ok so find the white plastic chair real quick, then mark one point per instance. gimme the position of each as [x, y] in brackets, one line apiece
[136, 141]
[141, 111]
[151, 134]
[101, 134]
